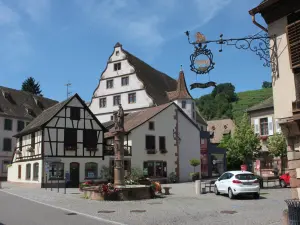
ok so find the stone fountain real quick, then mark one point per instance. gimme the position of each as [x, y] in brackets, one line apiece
[125, 192]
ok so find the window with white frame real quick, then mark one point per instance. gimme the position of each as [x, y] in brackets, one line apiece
[263, 124]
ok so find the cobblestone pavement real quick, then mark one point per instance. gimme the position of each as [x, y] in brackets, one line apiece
[180, 208]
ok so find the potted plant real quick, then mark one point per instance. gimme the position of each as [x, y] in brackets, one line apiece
[173, 178]
[194, 163]
[195, 176]
[30, 149]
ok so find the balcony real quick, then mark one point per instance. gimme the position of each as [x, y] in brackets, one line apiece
[296, 107]
[108, 150]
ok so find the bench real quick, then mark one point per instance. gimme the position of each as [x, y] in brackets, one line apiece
[167, 190]
[210, 185]
[271, 179]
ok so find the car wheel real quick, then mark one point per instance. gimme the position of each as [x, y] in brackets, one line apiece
[282, 184]
[230, 194]
[256, 195]
[216, 190]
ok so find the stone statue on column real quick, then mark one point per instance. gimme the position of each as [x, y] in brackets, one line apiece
[119, 179]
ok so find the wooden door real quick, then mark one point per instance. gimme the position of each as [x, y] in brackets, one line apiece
[19, 171]
[74, 174]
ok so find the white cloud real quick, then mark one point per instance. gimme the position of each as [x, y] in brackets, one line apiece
[207, 10]
[150, 23]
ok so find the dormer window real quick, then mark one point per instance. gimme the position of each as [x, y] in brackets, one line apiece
[7, 96]
[183, 104]
[109, 84]
[39, 103]
[117, 66]
[30, 111]
[117, 53]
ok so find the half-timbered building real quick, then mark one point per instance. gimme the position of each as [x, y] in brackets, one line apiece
[64, 140]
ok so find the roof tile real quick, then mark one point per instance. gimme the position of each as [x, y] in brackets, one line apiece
[18, 102]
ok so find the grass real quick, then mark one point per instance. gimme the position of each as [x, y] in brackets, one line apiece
[247, 99]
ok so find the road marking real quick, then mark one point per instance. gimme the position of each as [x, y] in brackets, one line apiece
[68, 210]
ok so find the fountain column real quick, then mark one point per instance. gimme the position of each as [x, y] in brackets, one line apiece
[119, 174]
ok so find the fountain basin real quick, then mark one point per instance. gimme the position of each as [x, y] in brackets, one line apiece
[125, 193]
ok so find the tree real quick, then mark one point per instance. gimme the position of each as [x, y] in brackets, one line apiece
[266, 84]
[277, 147]
[194, 163]
[217, 105]
[30, 85]
[243, 145]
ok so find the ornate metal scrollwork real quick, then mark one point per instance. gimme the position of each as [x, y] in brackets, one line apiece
[202, 66]
[259, 44]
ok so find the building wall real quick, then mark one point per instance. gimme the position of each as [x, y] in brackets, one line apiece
[189, 108]
[164, 125]
[189, 147]
[14, 168]
[273, 125]
[7, 155]
[53, 136]
[54, 132]
[282, 96]
[134, 86]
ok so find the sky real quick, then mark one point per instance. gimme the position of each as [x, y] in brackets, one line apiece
[57, 41]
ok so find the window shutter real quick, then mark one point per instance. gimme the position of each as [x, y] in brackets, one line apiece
[293, 36]
[270, 125]
[256, 126]
[278, 128]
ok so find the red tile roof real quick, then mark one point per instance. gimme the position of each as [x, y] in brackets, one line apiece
[136, 119]
[181, 92]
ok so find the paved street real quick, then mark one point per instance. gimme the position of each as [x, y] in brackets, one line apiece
[181, 208]
[17, 211]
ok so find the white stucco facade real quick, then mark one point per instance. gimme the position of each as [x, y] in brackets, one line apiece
[134, 85]
[6, 135]
[50, 146]
[285, 77]
[164, 126]
[189, 147]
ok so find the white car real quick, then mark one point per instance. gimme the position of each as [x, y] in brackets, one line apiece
[236, 183]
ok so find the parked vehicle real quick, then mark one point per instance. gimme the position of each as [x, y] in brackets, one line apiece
[284, 180]
[236, 183]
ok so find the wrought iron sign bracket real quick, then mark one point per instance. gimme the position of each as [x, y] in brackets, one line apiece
[259, 44]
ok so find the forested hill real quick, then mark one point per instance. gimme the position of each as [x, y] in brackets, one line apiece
[224, 102]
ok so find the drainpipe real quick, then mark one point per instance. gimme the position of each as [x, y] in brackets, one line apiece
[257, 24]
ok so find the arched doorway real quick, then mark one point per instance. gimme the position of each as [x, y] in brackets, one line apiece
[74, 174]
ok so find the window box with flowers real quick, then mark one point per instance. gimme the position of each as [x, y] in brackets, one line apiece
[18, 152]
[264, 137]
[163, 151]
[70, 148]
[30, 149]
[92, 149]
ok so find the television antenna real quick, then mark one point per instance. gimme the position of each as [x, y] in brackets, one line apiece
[68, 92]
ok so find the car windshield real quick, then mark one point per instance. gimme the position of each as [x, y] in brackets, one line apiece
[245, 177]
